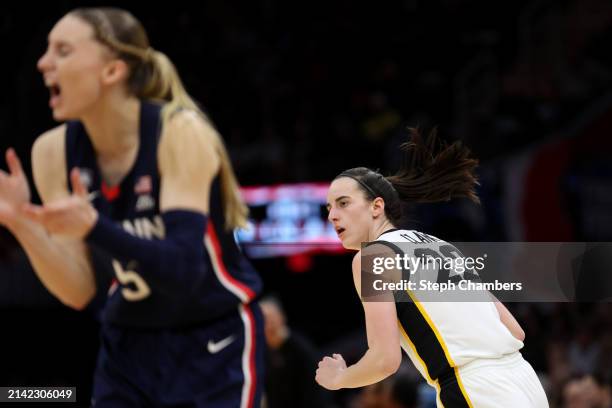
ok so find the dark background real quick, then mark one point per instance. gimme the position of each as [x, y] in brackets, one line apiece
[301, 91]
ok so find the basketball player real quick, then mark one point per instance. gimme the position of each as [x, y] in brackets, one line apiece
[468, 351]
[138, 173]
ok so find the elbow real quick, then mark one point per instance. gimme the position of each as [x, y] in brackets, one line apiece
[389, 362]
[78, 301]
[75, 304]
[79, 307]
[393, 364]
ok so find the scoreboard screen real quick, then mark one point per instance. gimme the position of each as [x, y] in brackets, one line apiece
[287, 219]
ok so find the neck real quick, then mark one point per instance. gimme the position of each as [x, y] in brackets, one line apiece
[113, 125]
[378, 228]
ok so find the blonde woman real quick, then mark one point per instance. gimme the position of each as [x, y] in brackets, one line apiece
[138, 176]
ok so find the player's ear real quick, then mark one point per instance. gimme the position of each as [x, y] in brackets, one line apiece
[114, 71]
[378, 207]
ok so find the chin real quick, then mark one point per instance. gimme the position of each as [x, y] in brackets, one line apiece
[351, 245]
[62, 116]
[58, 117]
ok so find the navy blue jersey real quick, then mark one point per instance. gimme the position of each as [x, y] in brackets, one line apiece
[134, 204]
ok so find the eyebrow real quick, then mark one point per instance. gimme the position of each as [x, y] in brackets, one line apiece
[58, 43]
[336, 200]
[62, 43]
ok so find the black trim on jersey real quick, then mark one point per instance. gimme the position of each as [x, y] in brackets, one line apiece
[450, 391]
[426, 343]
[388, 231]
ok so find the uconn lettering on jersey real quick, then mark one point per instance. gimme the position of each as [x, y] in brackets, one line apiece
[146, 228]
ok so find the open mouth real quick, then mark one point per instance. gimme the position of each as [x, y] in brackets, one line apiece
[55, 92]
[340, 230]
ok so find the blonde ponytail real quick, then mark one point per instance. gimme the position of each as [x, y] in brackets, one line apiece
[165, 84]
[154, 77]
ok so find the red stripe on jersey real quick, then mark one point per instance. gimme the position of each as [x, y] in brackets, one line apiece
[252, 359]
[248, 292]
[249, 372]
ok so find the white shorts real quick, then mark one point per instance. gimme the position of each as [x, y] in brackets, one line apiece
[507, 382]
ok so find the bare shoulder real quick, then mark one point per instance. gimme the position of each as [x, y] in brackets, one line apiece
[374, 253]
[187, 118]
[357, 262]
[187, 126]
[49, 164]
[377, 263]
[50, 141]
[188, 141]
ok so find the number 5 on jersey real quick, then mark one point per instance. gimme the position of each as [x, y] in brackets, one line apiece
[138, 290]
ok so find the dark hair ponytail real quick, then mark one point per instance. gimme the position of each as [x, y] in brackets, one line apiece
[434, 171]
[431, 171]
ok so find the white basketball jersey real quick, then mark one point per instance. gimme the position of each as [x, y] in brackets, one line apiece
[439, 336]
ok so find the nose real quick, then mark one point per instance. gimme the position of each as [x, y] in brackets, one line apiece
[332, 215]
[44, 62]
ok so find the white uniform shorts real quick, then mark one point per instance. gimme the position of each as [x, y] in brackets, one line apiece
[507, 382]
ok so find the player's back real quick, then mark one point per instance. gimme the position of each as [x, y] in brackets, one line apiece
[440, 331]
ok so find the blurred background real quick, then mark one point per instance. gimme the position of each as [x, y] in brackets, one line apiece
[303, 91]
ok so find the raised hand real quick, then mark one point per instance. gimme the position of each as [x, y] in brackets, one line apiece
[14, 189]
[73, 216]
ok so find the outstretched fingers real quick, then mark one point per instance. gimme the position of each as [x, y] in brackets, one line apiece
[77, 184]
[13, 162]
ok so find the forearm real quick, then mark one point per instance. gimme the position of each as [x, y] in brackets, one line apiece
[173, 264]
[371, 368]
[63, 269]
